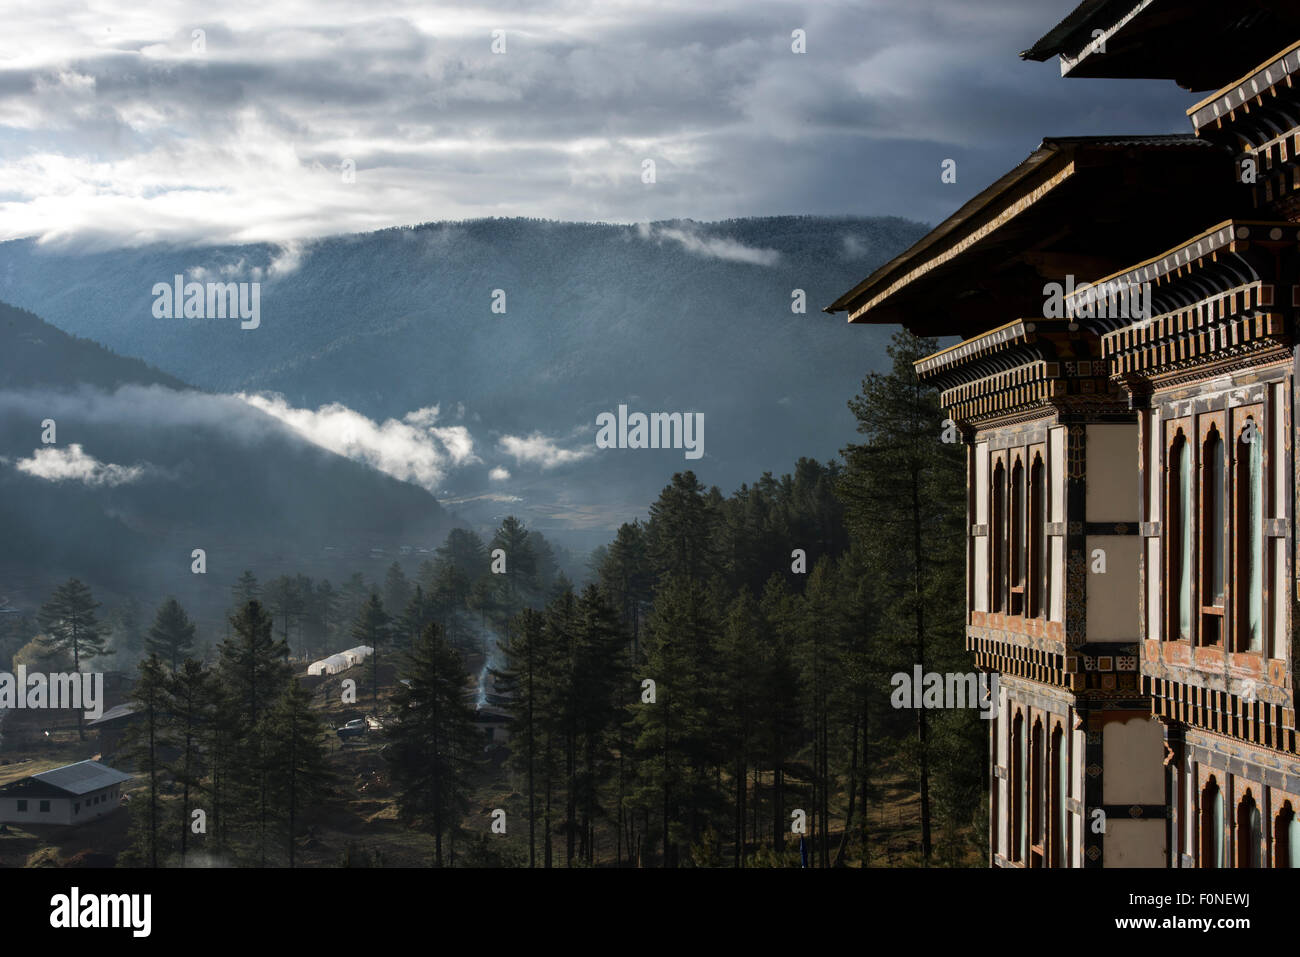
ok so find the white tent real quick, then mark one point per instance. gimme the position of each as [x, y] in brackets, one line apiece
[330, 666]
[358, 654]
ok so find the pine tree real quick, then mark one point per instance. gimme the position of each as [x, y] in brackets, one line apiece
[245, 589]
[222, 741]
[742, 652]
[674, 734]
[397, 589]
[253, 673]
[285, 601]
[599, 673]
[68, 621]
[449, 596]
[627, 579]
[299, 775]
[191, 700]
[318, 619]
[821, 643]
[780, 727]
[520, 575]
[463, 550]
[171, 637]
[852, 703]
[430, 738]
[903, 490]
[554, 700]
[372, 628]
[521, 682]
[145, 743]
[251, 664]
[680, 535]
[352, 597]
[419, 612]
[546, 567]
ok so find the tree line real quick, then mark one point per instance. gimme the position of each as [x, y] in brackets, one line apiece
[729, 670]
[716, 695]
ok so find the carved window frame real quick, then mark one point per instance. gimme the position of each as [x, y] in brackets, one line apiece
[1213, 621]
[1172, 518]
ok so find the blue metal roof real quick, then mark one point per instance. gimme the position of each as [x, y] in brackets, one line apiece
[82, 777]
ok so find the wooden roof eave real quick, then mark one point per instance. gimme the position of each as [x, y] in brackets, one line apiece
[1005, 215]
[1203, 251]
[1016, 220]
[1097, 44]
[1220, 108]
[1198, 44]
[972, 209]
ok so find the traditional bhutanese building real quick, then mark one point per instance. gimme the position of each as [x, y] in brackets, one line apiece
[1125, 388]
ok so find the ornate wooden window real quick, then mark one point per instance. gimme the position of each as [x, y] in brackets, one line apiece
[1249, 831]
[1212, 825]
[1286, 837]
[1173, 814]
[1179, 513]
[996, 829]
[1019, 832]
[1037, 536]
[998, 536]
[1037, 795]
[1214, 529]
[1059, 785]
[1016, 536]
[1017, 532]
[1248, 539]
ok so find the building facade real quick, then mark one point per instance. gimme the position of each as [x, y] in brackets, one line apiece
[1125, 388]
[72, 794]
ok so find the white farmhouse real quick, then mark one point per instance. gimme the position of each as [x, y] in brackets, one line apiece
[67, 795]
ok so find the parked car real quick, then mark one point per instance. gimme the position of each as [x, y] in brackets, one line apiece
[353, 729]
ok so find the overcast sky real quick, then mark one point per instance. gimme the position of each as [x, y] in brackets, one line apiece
[119, 126]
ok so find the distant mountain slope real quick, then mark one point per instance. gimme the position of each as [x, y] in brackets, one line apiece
[37, 354]
[674, 316]
[144, 470]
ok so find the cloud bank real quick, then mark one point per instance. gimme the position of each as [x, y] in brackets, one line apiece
[73, 464]
[413, 449]
[286, 121]
[539, 450]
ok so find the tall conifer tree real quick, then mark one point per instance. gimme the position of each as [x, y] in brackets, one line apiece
[903, 489]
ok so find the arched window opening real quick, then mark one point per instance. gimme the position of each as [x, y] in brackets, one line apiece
[1019, 830]
[1180, 534]
[1286, 837]
[1037, 792]
[1249, 831]
[1037, 538]
[1056, 813]
[1016, 544]
[1211, 825]
[998, 538]
[1250, 538]
[1214, 519]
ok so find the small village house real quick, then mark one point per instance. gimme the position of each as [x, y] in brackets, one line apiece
[71, 794]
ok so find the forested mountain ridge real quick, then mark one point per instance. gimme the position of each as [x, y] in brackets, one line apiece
[672, 316]
[37, 354]
[114, 472]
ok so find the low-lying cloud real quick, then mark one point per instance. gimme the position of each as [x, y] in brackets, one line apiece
[711, 247]
[74, 464]
[415, 448]
[540, 450]
[412, 449]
